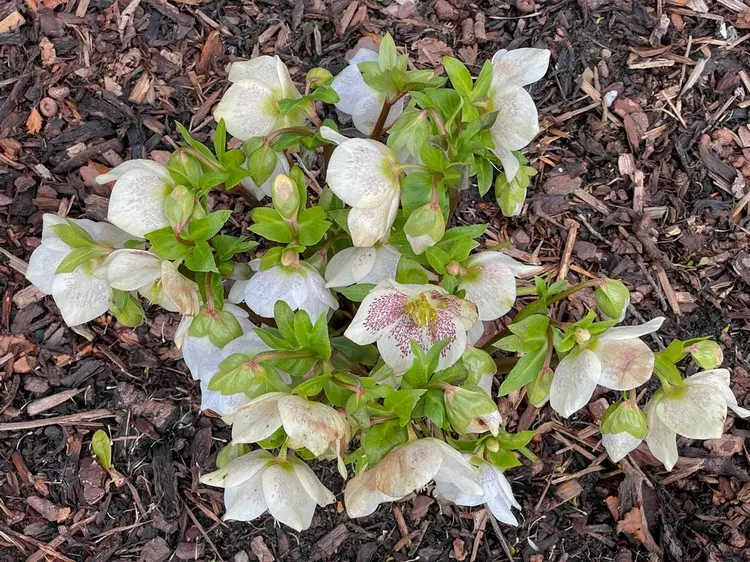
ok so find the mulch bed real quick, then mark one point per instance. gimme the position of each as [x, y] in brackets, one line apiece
[651, 189]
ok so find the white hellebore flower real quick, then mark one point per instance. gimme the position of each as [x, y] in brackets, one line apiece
[358, 99]
[490, 282]
[364, 174]
[497, 493]
[408, 468]
[203, 360]
[312, 425]
[259, 482]
[517, 121]
[282, 167]
[299, 285]
[362, 265]
[697, 410]
[394, 314]
[250, 107]
[617, 360]
[136, 203]
[83, 293]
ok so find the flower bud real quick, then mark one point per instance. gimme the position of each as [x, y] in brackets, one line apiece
[581, 335]
[179, 289]
[471, 410]
[478, 363]
[285, 196]
[317, 77]
[128, 311]
[612, 299]
[625, 417]
[425, 227]
[492, 445]
[707, 354]
[261, 163]
[184, 168]
[178, 206]
[537, 391]
[453, 268]
[511, 195]
[290, 258]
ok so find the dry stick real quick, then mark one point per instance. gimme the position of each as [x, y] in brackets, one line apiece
[401, 522]
[570, 241]
[499, 533]
[205, 535]
[39, 544]
[70, 419]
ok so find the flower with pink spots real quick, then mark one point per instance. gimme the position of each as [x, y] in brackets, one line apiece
[393, 315]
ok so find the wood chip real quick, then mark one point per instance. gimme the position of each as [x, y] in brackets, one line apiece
[48, 402]
[48, 510]
[11, 22]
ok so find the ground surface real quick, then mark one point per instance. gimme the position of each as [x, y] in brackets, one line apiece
[649, 190]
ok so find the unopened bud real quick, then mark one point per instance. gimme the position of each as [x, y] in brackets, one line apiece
[478, 363]
[178, 206]
[492, 445]
[184, 168]
[537, 391]
[290, 258]
[425, 227]
[707, 354]
[317, 77]
[581, 335]
[285, 196]
[453, 268]
[128, 313]
[471, 410]
[180, 290]
[612, 299]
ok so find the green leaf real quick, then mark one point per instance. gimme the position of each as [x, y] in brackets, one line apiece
[194, 143]
[231, 451]
[503, 459]
[270, 225]
[220, 140]
[409, 271]
[433, 407]
[311, 386]
[227, 246]
[340, 217]
[319, 341]
[326, 94]
[165, 244]
[416, 191]
[361, 354]
[73, 235]
[381, 438]
[284, 317]
[438, 259]
[483, 82]
[459, 75]
[208, 226]
[101, 446]
[402, 403]
[387, 54]
[201, 258]
[312, 225]
[272, 340]
[126, 308]
[484, 175]
[513, 441]
[358, 292]
[527, 368]
[78, 257]
[303, 328]
[473, 231]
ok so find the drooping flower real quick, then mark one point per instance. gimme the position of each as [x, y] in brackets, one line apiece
[250, 107]
[264, 190]
[497, 493]
[623, 428]
[312, 425]
[362, 265]
[82, 292]
[299, 285]
[517, 121]
[259, 482]
[364, 174]
[696, 410]
[617, 360]
[136, 204]
[490, 282]
[408, 468]
[358, 99]
[394, 314]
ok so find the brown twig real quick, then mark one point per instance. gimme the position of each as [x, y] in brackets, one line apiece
[70, 419]
[570, 241]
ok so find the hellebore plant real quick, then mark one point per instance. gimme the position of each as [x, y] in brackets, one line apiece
[350, 327]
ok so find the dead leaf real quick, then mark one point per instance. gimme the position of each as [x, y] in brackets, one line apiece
[49, 56]
[431, 51]
[725, 446]
[211, 50]
[11, 22]
[259, 548]
[48, 510]
[34, 122]
[459, 550]
[743, 20]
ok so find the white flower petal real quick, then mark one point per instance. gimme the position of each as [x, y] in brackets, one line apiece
[248, 343]
[351, 87]
[333, 136]
[143, 165]
[246, 501]
[247, 109]
[129, 270]
[257, 420]
[287, 499]
[223, 405]
[498, 258]
[361, 495]
[313, 425]
[719, 379]
[409, 467]
[457, 470]
[349, 266]
[369, 226]
[80, 297]
[261, 69]
[511, 165]
[490, 285]
[200, 356]
[697, 411]
[275, 284]
[237, 292]
[626, 364]
[519, 67]
[517, 122]
[107, 234]
[320, 300]
[43, 263]
[314, 487]
[475, 333]
[618, 445]
[619, 333]
[574, 382]
[662, 441]
[136, 204]
[359, 173]
[379, 311]
[367, 112]
[386, 265]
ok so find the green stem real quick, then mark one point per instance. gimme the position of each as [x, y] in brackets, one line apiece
[202, 158]
[528, 454]
[273, 135]
[574, 289]
[275, 355]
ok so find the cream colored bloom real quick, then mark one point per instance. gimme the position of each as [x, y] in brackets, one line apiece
[362, 265]
[250, 107]
[517, 121]
[697, 411]
[83, 294]
[617, 359]
[136, 204]
[408, 468]
[394, 314]
[258, 482]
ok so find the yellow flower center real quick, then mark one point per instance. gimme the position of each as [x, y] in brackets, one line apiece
[421, 311]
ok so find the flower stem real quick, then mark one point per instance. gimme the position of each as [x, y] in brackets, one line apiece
[528, 454]
[377, 132]
[275, 355]
[273, 135]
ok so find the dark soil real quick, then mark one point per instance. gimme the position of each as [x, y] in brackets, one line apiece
[649, 194]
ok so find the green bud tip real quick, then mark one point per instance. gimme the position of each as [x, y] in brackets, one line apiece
[581, 335]
[290, 258]
[285, 196]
